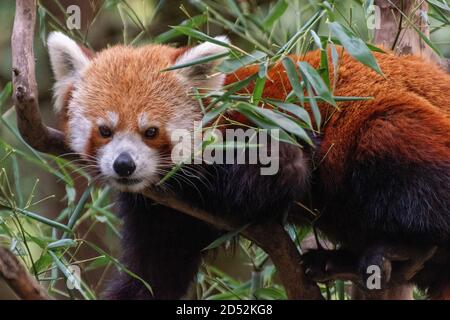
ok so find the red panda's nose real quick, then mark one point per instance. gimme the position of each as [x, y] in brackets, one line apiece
[124, 165]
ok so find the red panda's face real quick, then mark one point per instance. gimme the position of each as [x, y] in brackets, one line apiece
[120, 111]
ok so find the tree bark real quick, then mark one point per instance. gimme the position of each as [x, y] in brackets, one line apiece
[399, 22]
[18, 278]
[25, 93]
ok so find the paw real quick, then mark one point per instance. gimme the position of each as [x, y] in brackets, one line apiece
[328, 265]
[316, 265]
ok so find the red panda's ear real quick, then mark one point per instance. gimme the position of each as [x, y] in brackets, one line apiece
[67, 59]
[203, 75]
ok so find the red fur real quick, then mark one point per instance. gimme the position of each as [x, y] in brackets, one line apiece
[421, 94]
[408, 119]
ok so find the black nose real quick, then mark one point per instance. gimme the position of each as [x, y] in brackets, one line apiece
[124, 165]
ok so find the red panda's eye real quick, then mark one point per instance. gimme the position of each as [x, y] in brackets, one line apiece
[151, 132]
[105, 132]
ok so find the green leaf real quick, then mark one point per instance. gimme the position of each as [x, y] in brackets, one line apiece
[355, 46]
[111, 4]
[62, 243]
[71, 194]
[198, 61]
[231, 65]
[44, 220]
[293, 78]
[87, 294]
[316, 39]
[324, 67]
[214, 113]
[5, 95]
[270, 294]
[99, 262]
[263, 123]
[314, 107]
[340, 289]
[440, 4]
[329, 9]
[43, 263]
[78, 209]
[235, 10]
[200, 36]
[42, 31]
[275, 13]
[294, 109]
[225, 238]
[118, 265]
[335, 62]
[312, 21]
[315, 80]
[196, 21]
[280, 120]
[236, 86]
[258, 90]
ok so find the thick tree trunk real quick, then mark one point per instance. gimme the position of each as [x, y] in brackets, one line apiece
[398, 26]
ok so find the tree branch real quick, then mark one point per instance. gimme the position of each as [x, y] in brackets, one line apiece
[18, 278]
[25, 93]
[272, 238]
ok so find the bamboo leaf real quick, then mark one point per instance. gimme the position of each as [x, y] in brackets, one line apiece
[315, 80]
[196, 21]
[62, 243]
[225, 238]
[294, 109]
[355, 46]
[275, 13]
[280, 120]
[293, 78]
[200, 36]
[197, 61]
[231, 65]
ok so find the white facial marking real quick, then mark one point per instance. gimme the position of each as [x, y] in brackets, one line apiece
[111, 120]
[145, 159]
[80, 128]
[143, 122]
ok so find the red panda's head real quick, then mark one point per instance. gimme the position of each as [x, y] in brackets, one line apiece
[119, 109]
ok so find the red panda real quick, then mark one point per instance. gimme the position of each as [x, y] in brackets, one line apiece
[119, 112]
[383, 173]
[384, 164]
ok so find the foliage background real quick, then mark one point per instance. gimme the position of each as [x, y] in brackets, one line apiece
[34, 187]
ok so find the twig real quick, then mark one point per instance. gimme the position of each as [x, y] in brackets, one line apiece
[18, 278]
[25, 93]
[278, 246]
